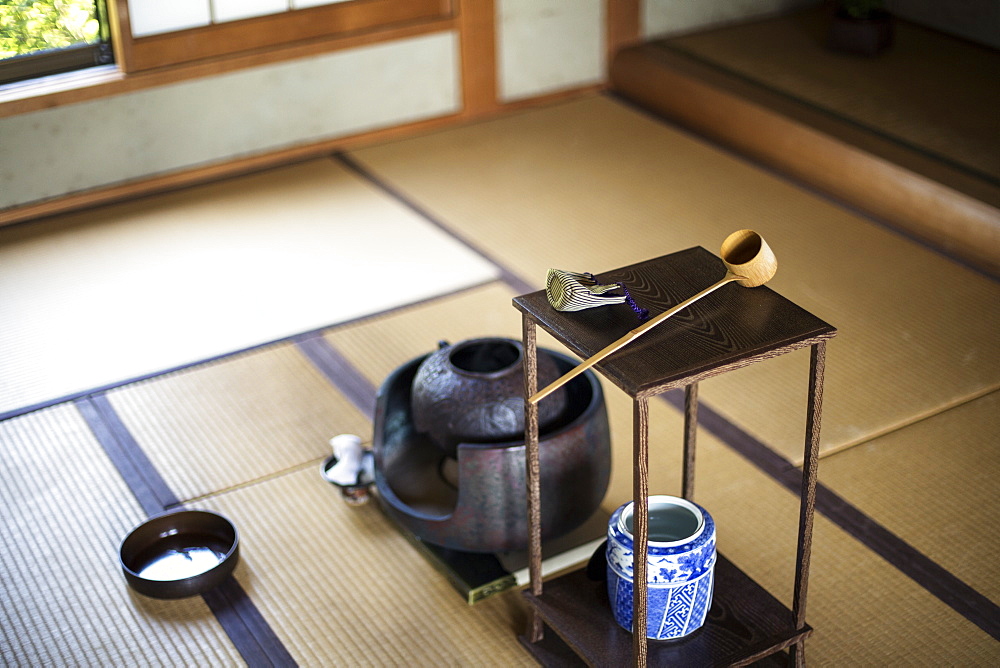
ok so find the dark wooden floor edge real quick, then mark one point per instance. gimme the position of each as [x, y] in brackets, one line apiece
[938, 581]
[242, 622]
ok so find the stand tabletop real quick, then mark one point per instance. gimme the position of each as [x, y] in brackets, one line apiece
[732, 327]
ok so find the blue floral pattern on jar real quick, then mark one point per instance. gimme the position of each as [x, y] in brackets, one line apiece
[679, 573]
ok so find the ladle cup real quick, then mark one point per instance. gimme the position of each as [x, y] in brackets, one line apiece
[749, 261]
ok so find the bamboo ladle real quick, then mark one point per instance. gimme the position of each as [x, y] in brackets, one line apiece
[749, 261]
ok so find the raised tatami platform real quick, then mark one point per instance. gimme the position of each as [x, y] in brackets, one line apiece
[903, 566]
[911, 136]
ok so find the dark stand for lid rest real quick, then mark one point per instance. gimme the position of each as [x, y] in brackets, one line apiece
[730, 329]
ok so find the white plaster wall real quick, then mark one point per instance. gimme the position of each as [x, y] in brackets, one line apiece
[671, 17]
[77, 147]
[545, 46]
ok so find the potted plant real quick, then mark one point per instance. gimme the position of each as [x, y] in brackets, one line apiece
[860, 26]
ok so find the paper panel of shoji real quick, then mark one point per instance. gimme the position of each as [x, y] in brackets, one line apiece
[151, 17]
[234, 10]
[302, 4]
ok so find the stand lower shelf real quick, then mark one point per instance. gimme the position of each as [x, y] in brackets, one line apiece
[745, 624]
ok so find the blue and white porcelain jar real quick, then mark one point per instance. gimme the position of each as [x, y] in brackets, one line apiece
[680, 566]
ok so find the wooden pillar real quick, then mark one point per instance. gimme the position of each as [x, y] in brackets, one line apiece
[624, 25]
[477, 35]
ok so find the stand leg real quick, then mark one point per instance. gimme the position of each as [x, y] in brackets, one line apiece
[810, 466]
[690, 438]
[535, 629]
[640, 527]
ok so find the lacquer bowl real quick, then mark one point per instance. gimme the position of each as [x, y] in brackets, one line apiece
[180, 553]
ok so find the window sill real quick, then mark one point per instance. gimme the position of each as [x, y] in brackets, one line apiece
[55, 89]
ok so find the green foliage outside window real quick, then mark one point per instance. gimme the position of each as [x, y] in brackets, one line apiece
[29, 26]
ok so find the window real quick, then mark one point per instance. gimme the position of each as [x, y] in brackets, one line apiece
[158, 33]
[41, 37]
[141, 52]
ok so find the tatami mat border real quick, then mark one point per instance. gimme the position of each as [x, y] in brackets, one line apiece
[256, 641]
[236, 613]
[142, 478]
[340, 373]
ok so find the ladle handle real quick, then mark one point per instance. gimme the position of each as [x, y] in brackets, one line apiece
[625, 340]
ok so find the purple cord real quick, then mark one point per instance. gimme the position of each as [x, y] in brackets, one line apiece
[639, 311]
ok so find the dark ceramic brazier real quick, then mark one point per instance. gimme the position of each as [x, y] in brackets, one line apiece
[473, 392]
[476, 501]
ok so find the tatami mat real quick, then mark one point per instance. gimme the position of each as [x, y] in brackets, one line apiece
[935, 485]
[929, 91]
[119, 292]
[864, 611]
[340, 585]
[593, 184]
[230, 422]
[64, 599]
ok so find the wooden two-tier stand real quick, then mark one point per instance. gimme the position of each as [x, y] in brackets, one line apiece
[730, 329]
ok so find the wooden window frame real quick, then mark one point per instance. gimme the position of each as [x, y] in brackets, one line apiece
[138, 54]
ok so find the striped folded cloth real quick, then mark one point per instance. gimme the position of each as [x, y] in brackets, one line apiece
[570, 291]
